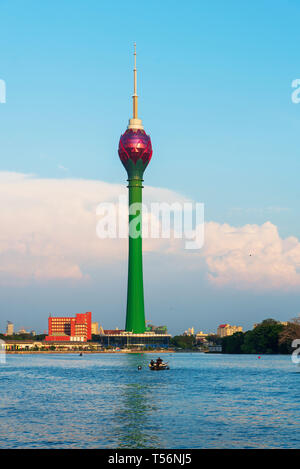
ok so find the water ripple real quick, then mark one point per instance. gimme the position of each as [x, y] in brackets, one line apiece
[103, 401]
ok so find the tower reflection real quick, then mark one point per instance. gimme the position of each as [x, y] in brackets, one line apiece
[135, 414]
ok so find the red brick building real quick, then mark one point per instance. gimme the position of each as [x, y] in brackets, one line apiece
[78, 329]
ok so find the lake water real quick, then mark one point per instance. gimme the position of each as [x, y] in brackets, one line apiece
[103, 401]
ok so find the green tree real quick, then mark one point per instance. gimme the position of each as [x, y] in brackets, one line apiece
[233, 343]
[289, 333]
[215, 339]
[264, 338]
[183, 341]
[39, 337]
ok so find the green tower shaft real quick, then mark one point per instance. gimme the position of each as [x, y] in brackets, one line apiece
[135, 313]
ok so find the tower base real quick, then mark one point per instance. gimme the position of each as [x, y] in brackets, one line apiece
[130, 340]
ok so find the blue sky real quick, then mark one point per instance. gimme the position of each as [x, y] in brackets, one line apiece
[215, 95]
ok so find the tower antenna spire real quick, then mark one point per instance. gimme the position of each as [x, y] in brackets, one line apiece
[135, 122]
[135, 96]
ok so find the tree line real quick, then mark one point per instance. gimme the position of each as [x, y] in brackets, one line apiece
[268, 337]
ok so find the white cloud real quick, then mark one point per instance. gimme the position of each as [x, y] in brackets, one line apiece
[48, 231]
[251, 256]
[48, 226]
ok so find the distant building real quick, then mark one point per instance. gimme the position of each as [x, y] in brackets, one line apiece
[42, 345]
[226, 329]
[190, 331]
[113, 331]
[74, 329]
[22, 331]
[95, 328]
[9, 328]
[215, 348]
[156, 329]
[123, 339]
[201, 336]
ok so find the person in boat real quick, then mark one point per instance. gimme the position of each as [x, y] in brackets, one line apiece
[152, 363]
[159, 361]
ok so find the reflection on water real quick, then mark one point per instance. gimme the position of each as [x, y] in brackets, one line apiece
[135, 405]
[131, 418]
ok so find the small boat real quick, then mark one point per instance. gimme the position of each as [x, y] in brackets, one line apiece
[161, 366]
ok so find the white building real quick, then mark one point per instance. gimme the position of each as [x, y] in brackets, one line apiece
[226, 329]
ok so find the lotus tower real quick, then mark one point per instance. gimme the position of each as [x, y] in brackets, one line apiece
[135, 152]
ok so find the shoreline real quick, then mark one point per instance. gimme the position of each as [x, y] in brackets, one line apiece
[84, 352]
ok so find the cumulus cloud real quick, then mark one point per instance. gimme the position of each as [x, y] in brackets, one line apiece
[48, 231]
[251, 256]
[48, 227]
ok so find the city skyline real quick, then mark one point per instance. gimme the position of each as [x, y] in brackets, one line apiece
[216, 96]
[96, 324]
